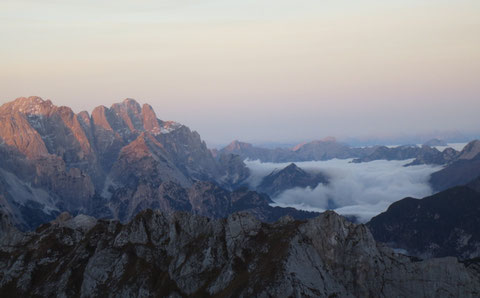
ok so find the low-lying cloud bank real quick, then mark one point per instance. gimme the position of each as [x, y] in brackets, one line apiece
[359, 189]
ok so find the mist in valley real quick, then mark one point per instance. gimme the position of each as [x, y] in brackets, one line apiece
[362, 190]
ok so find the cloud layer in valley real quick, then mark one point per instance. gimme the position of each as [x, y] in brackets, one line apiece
[360, 189]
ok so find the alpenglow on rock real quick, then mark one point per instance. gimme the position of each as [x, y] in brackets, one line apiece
[53, 160]
[179, 254]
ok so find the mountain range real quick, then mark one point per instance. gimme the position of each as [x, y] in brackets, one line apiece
[112, 163]
[121, 203]
[123, 159]
[329, 148]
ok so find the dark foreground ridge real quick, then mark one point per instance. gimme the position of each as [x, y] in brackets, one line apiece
[444, 224]
[179, 254]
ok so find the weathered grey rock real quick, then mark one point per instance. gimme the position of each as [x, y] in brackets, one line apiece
[179, 254]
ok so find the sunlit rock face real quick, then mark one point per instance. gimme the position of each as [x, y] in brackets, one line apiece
[55, 160]
[179, 254]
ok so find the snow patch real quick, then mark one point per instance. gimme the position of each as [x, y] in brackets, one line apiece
[169, 126]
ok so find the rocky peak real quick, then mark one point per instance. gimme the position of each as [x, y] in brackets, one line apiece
[85, 121]
[237, 146]
[130, 112]
[290, 177]
[128, 119]
[150, 121]
[99, 118]
[32, 105]
[292, 168]
[471, 150]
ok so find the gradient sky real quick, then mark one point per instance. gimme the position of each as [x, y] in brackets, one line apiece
[255, 70]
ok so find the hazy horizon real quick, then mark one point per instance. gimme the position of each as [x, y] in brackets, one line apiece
[257, 71]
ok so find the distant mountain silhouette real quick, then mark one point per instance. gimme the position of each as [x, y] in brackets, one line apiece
[290, 177]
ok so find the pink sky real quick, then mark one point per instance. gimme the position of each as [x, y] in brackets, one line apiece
[254, 70]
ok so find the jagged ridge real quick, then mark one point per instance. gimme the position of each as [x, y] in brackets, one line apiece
[179, 254]
[57, 160]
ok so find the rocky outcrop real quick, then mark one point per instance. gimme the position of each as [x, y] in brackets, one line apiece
[290, 177]
[445, 224]
[175, 255]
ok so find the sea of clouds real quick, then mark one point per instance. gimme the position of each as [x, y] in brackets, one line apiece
[362, 190]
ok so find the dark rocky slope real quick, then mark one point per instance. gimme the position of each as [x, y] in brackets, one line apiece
[445, 224]
[464, 168]
[178, 255]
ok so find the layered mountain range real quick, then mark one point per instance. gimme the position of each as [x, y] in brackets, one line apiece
[179, 254]
[112, 163]
[87, 183]
[329, 148]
